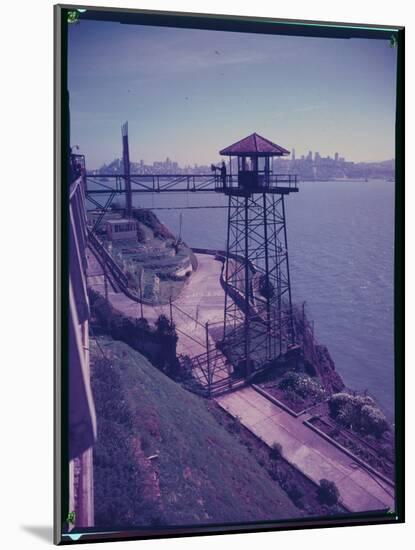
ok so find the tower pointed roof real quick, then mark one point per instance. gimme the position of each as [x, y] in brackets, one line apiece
[254, 145]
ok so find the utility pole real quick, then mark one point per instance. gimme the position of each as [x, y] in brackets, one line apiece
[126, 162]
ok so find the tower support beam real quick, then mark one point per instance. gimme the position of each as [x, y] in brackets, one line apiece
[258, 320]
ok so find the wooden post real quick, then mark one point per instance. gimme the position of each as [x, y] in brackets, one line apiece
[171, 311]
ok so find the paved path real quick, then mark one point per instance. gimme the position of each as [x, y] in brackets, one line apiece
[310, 453]
[202, 299]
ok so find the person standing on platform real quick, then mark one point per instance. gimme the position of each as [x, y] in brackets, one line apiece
[223, 174]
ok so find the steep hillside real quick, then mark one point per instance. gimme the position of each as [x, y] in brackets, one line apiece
[162, 447]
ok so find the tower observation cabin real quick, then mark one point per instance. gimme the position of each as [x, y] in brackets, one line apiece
[254, 156]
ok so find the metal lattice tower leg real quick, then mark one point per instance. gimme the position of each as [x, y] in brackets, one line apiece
[258, 322]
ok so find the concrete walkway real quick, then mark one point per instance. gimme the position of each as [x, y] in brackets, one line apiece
[314, 456]
[201, 299]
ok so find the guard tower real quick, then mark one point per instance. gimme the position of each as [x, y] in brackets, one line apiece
[258, 321]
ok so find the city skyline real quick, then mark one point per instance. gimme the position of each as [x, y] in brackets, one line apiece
[192, 92]
[293, 157]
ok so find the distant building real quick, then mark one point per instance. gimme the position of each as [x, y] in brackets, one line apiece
[327, 167]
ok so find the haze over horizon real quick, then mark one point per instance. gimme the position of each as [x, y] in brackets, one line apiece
[188, 93]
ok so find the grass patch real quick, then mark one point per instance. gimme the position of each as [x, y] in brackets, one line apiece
[205, 475]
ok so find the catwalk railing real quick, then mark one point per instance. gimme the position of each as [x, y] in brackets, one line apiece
[97, 184]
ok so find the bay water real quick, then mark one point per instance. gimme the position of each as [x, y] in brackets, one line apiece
[341, 245]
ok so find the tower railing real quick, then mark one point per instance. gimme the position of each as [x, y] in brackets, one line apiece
[258, 181]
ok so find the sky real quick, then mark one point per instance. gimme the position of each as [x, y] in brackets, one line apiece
[188, 93]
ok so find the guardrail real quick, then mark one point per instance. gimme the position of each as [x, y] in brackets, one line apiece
[236, 295]
[162, 183]
[116, 271]
[252, 180]
[150, 183]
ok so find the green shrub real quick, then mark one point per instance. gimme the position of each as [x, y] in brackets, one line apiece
[358, 412]
[294, 492]
[100, 308]
[386, 450]
[276, 451]
[277, 473]
[138, 334]
[235, 425]
[164, 326]
[337, 402]
[328, 492]
[142, 324]
[373, 420]
[186, 368]
[302, 385]
[348, 414]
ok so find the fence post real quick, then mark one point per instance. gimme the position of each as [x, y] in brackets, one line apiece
[105, 281]
[304, 328]
[141, 292]
[208, 359]
[171, 311]
[275, 332]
